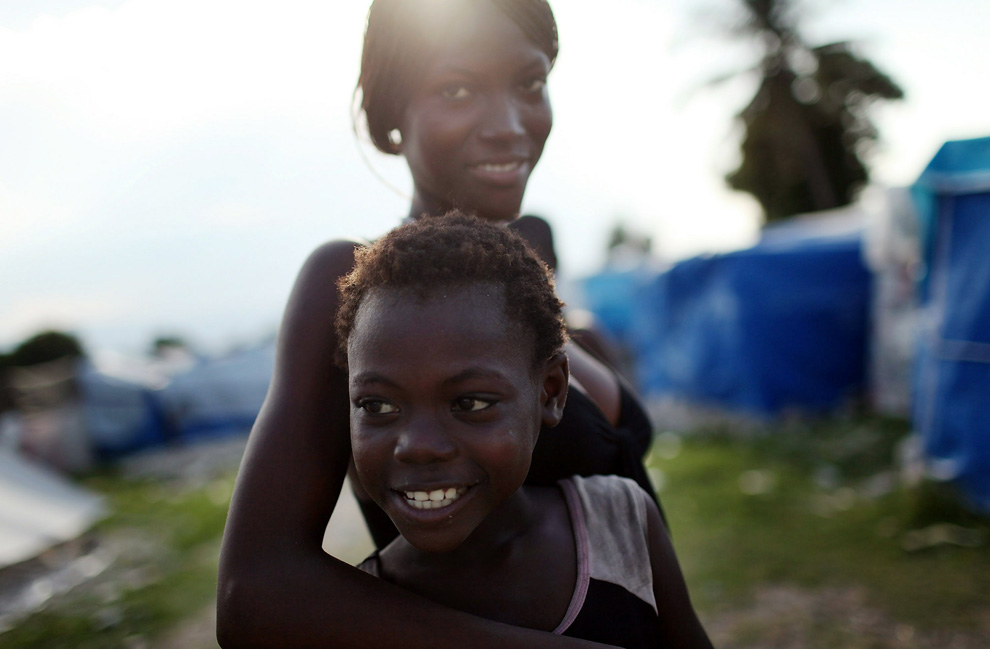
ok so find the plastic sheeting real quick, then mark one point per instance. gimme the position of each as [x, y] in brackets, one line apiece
[952, 382]
[39, 509]
[611, 296]
[134, 406]
[782, 325]
[121, 416]
[220, 396]
[893, 253]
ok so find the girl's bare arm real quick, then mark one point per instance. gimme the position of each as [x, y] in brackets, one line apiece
[276, 586]
[595, 380]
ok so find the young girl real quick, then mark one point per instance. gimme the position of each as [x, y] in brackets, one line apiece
[458, 88]
[453, 340]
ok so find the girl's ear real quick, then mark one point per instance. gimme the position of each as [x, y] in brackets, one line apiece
[554, 393]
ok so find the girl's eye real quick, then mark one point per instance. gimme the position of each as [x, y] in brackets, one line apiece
[472, 404]
[535, 85]
[377, 407]
[455, 92]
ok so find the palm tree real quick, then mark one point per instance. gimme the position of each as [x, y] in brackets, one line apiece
[808, 125]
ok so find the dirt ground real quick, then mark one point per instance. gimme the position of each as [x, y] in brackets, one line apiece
[777, 616]
[786, 617]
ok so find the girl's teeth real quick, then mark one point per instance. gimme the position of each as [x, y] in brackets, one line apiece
[434, 499]
[497, 168]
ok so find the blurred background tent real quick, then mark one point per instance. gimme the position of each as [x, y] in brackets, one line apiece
[75, 412]
[219, 396]
[39, 508]
[42, 438]
[884, 304]
[952, 383]
[781, 325]
[122, 413]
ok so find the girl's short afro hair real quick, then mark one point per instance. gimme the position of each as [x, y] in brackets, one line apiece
[439, 252]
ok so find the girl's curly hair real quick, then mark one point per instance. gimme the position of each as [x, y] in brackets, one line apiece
[454, 250]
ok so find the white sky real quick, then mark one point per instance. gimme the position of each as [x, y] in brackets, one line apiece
[166, 165]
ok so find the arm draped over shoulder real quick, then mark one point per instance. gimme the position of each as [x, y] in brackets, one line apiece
[276, 586]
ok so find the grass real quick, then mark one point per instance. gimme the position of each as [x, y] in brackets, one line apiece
[808, 505]
[167, 540]
[816, 506]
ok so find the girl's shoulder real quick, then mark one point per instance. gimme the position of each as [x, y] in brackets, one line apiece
[335, 255]
[306, 346]
[611, 519]
[316, 284]
[610, 515]
[607, 501]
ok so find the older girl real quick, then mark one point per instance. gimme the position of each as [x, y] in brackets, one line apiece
[458, 88]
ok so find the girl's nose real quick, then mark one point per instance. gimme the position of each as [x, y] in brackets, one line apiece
[424, 442]
[502, 118]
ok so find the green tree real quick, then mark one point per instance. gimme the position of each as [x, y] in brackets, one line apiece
[162, 344]
[622, 238]
[808, 127]
[46, 346]
[6, 396]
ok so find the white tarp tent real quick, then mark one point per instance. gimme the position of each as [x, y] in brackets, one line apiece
[39, 509]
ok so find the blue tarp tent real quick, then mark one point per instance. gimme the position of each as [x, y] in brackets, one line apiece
[782, 325]
[952, 382]
[121, 416]
[612, 296]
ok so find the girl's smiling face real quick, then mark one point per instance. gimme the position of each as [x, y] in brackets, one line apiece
[476, 122]
[446, 408]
